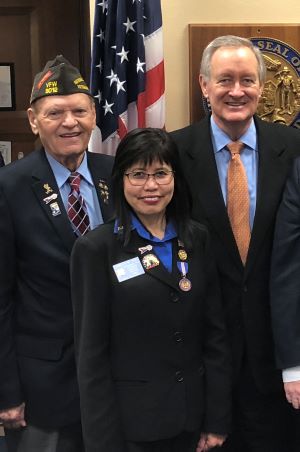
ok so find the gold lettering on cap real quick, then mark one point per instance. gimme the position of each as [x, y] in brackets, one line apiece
[51, 84]
[52, 90]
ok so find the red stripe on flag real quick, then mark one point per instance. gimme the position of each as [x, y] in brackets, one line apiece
[155, 84]
[122, 128]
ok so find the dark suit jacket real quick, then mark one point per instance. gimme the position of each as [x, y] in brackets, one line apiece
[285, 275]
[36, 325]
[2, 163]
[152, 360]
[245, 290]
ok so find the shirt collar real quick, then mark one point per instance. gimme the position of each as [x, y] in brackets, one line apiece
[170, 232]
[220, 139]
[62, 173]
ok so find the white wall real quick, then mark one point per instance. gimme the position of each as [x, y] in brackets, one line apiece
[177, 14]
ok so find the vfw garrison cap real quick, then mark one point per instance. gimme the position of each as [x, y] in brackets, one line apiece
[58, 78]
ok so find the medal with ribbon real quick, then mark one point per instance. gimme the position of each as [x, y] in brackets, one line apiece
[184, 283]
[183, 267]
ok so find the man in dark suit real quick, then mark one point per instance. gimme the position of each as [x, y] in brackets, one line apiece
[285, 287]
[231, 77]
[39, 400]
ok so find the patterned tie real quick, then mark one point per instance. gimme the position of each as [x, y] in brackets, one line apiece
[76, 207]
[238, 199]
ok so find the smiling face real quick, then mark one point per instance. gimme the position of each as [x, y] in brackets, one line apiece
[233, 89]
[64, 124]
[150, 200]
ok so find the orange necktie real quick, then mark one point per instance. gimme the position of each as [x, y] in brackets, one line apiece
[238, 199]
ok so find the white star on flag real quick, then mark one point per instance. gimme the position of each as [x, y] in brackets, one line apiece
[98, 97]
[112, 77]
[101, 36]
[99, 66]
[104, 5]
[129, 25]
[107, 108]
[120, 86]
[139, 65]
[123, 54]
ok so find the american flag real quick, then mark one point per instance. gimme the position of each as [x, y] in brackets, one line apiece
[127, 77]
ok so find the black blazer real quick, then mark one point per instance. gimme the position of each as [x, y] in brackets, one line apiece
[36, 325]
[285, 275]
[245, 290]
[2, 163]
[152, 360]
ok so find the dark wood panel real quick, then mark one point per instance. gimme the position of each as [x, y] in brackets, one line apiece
[17, 50]
[31, 33]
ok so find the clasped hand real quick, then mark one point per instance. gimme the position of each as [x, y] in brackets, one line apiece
[209, 440]
[13, 417]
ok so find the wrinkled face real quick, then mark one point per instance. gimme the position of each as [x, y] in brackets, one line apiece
[150, 199]
[234, 88]
[64, 124]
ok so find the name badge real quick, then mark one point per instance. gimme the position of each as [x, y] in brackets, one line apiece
[128, 269]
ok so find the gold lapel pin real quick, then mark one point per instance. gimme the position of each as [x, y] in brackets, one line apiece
[47, 188]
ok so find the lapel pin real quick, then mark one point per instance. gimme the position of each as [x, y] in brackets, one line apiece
[50, 198]
[47, 188]
[144, 249]
[104, 192]
[55, 210]
[182, 254]
[150, 261]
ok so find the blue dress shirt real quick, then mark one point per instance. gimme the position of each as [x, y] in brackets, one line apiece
[87, 188]
[249, 157]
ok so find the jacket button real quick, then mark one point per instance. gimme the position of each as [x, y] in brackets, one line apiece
[245, 288]
[174, 297]
[179, 376]
[178, 336]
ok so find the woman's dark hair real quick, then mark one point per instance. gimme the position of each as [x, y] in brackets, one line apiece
[146, 146]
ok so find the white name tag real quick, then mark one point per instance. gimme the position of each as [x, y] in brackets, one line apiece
[128, 269]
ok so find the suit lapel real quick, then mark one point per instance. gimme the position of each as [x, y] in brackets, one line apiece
[44, 186]
[271, 176]
[203, 178]
[101, 178]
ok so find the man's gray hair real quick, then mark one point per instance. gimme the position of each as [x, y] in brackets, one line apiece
[230, 41]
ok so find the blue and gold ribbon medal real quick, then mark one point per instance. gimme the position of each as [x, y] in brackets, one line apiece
[184, 283]
[182, 254]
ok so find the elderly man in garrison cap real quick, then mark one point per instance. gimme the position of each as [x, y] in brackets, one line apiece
[47, 200]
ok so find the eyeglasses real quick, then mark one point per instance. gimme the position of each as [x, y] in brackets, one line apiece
[161, 177]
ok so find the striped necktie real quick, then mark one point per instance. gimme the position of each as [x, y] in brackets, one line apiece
[77, 212]
[238, 199]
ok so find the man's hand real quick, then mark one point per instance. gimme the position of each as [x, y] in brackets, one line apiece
[292, 392]
[14, 417]
[209, 440]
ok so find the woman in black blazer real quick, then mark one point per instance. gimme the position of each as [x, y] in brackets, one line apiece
[153, 364]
